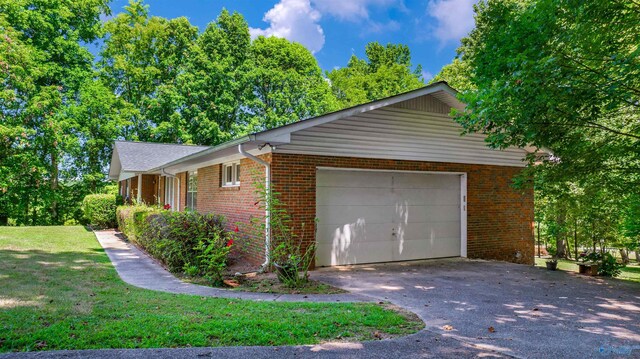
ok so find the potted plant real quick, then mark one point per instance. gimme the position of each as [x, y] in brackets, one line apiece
[552, 264]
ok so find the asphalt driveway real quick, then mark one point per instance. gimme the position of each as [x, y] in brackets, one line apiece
[512, 309]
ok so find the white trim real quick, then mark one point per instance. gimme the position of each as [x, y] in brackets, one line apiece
[139, 193]
[235, 177]
[463, 195]
[463, 215]
[394, 171]
[169, 192]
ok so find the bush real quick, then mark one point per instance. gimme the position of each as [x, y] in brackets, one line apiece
[185, 242]
[608, 264]
[131, 218]
[100, 210]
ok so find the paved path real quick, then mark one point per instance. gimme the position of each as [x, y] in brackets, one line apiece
[138, 269]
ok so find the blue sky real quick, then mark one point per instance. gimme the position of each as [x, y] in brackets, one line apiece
[335, 29]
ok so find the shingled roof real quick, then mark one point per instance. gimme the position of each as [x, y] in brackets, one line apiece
[136, 157]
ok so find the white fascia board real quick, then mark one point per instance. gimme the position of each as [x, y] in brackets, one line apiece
[126, 175]
[223, 156]
[114, 166]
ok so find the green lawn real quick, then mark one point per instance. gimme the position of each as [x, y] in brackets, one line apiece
[60, 291]
[630, 272]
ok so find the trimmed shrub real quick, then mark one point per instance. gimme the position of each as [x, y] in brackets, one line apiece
[100, 210]
[188, 243]
[131, 218]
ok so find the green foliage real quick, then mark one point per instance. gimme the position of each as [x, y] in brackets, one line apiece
[100, 210]
[457, 74]
[608, 264]
[292, 249]
[386, 71]
[188, 242]
[284, 83]
[155, 79]
[130, 219]
[561, 75]
[43, 64]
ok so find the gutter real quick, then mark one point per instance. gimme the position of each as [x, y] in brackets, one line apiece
[267, 186]
[166, 174]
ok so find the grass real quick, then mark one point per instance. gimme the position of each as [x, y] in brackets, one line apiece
[60, 291]
[630, 273]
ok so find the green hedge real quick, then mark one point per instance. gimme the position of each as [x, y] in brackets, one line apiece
[188, 243]
[100, 209]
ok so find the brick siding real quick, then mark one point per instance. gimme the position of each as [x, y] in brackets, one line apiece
[237, 204]
[499, 217]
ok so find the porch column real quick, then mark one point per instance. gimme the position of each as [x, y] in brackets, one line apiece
[139, 199]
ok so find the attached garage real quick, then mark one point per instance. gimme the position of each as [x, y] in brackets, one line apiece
[389, 180]
[382, 216]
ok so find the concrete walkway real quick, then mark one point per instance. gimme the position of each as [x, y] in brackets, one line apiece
[138, 269]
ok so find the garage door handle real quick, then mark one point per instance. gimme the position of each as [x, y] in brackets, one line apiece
[393, 232]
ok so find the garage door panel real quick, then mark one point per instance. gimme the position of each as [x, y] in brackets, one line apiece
[355, 253]
[358, 211]
[430, 197]
[410, 180]
[348, 180]
[352, 213]
[355, 232]
[416, 249]
[327, 196]
[430, 230]
[412, 214]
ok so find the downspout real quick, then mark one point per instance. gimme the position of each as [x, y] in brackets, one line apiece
[164, 173]
[267, 186]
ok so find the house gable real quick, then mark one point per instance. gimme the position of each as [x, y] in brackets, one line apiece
[417, 129]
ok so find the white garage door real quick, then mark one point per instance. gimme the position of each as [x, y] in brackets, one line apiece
[369, 216]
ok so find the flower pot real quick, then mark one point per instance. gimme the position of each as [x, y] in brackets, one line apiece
[552, 265]
[286, 272]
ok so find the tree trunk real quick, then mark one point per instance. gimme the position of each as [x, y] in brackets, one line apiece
[54, 187]
[624, 254]
[561, 238]
[575, 238]
[637, 255]
[539, 244]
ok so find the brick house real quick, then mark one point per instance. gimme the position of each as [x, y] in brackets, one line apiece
[390, 180]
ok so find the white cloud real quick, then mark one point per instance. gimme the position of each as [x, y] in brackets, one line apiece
[298, 20]
[454, 18]
[294, 20]
[427, 76]
[351, 10]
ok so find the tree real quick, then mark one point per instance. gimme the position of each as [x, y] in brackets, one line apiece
[141, 59]
[284, 85]
[213, 82]
[43, 64]
[386, 71]
[457, 74]
[560, 75]
[98, 118]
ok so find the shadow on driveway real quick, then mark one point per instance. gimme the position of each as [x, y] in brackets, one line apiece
[510, 308]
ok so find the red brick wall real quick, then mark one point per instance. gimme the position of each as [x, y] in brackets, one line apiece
[499, 218]
[237, 204]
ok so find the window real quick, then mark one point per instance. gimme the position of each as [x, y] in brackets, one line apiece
[192, 190]
[168, 192]
[231, 174]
